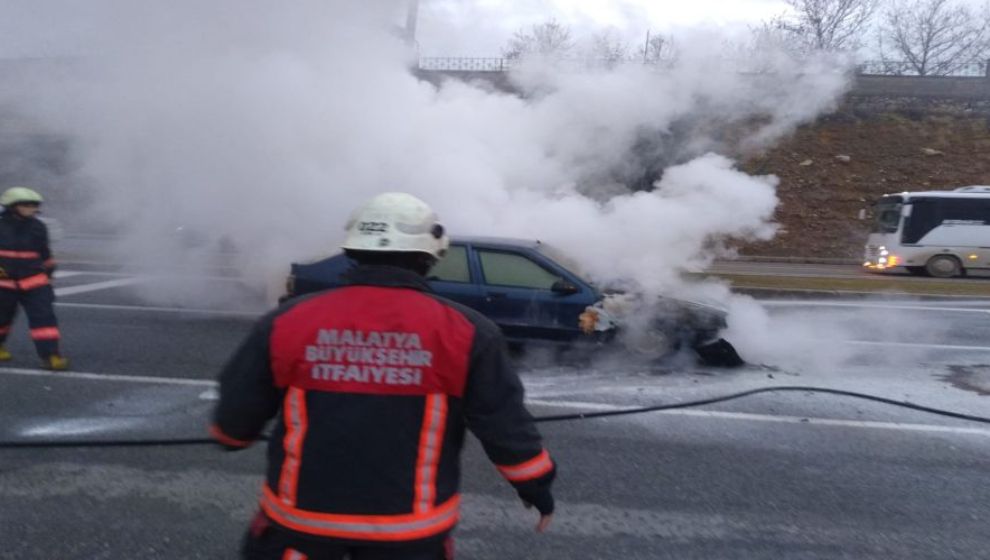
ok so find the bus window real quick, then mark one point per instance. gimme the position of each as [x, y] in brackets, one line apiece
[965, 210]
[924, 218]
[929, 213]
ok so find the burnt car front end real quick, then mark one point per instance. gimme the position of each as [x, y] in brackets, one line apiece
[659, 327]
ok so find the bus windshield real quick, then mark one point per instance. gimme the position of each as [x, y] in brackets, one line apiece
[886, 215]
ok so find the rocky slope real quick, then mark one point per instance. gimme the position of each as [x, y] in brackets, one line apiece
[831, 169]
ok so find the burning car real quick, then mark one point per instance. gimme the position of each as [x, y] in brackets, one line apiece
[535, 294]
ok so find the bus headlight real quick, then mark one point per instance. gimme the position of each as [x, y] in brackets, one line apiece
[884, 259]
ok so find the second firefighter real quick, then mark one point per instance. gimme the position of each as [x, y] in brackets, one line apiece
[26, 268]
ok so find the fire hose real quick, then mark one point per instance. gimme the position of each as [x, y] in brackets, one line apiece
[49, 443]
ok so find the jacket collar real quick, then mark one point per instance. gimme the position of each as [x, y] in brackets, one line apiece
[387, 276]
[12, 216]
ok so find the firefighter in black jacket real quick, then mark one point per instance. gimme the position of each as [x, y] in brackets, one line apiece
[26, 267]
[373, 385]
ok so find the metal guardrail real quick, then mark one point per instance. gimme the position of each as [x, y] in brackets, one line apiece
[866, 68]
[460, 64]
[467, 64]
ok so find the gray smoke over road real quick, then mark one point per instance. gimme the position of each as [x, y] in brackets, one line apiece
[258, 127]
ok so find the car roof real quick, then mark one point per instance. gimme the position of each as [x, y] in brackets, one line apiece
[485, 241]
[495, 241]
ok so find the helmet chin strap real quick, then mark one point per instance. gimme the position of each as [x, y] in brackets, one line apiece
[418, 262]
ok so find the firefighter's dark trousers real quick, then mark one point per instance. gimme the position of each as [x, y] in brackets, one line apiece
[268, 541]
[39, 306]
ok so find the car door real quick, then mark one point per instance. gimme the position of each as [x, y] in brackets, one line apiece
[451, 278]
[519, 296]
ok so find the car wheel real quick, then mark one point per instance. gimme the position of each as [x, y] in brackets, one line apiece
[651, 343]
[944, 266]
[719, 353]
[916, 270]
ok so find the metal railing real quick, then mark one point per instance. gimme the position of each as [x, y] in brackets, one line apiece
[568, 63]
[461, 64]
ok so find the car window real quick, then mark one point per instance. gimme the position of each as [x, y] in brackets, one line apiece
[561, 258]
[506, 269]
[453, 267]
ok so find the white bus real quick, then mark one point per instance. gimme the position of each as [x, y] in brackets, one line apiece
[936, 233]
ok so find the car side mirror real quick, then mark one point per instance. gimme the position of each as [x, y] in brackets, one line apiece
[564, 287]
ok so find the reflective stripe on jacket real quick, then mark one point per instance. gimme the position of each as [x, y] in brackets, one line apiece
[372, 387]
[24, 252]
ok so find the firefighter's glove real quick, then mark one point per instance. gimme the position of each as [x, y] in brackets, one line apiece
[537, 493]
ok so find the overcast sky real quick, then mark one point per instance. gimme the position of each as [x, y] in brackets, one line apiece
[481, 27]
[446, 27]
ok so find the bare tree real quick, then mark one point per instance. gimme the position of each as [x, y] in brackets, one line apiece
[933, 37]
[550, 38]
[608, 49]
[826, 25]
[775, 34]
[657, 48]
[763, 48]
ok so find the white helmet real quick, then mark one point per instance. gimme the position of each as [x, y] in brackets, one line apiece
[396, 222]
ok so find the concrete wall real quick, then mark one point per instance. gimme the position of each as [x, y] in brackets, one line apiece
[972, 88]
[498, 80]
[951, 87]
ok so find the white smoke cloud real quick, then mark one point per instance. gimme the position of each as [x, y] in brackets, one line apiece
[265, 125]
[822, 338]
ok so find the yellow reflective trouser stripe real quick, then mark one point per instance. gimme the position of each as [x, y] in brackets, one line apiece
[295, 417]
[396, 527]
[430, 442]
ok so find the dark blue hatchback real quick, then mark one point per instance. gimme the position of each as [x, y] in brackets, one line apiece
[534, 293]
[521, 285]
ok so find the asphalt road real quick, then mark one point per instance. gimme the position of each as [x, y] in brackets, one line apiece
[789, 475]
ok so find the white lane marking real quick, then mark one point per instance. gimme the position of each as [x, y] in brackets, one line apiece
[67, 273]
[96, 286]
[917, 345]
[152, 274]
[96, 273]
[145, 308]
[593, 406]
[771, 418]
[109, 377]
[875, 305]
[207, 395]
[79, 426]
